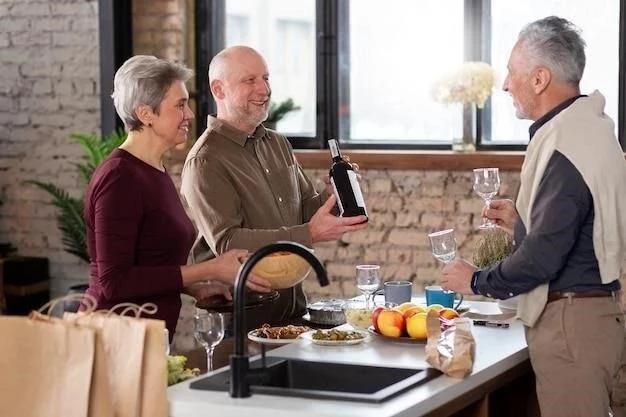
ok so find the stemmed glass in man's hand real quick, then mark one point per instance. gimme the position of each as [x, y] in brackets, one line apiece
[368, 280]
[209, 332]
[443, 245]
[486, 185]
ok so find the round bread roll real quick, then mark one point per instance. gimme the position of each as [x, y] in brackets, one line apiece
[282, 269]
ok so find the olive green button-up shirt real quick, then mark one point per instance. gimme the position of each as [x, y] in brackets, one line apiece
[246, 192]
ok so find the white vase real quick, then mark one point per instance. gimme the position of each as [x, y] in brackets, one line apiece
[467, 141]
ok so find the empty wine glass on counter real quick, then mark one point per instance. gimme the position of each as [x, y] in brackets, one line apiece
[487, 185]
[209, 332]
[367, 281]
[443, 245]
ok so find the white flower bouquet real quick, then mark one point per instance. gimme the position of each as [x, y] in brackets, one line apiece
[469, 84]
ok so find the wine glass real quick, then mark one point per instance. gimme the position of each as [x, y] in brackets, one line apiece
[486, 185]
[443, 245]
[368, 280]
[209, 332]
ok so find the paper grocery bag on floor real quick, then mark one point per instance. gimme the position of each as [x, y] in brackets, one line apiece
[450, 346]
[51, 368]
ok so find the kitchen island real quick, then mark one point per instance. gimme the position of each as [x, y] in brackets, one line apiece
[501, 382]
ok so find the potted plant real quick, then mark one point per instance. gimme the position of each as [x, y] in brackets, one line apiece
[70, 215]
[278, 111]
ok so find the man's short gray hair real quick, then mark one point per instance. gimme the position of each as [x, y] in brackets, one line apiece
[144, 79]
[557, 44]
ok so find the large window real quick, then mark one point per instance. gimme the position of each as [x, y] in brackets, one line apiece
[599, 22]
[366, 76]
[283, 31]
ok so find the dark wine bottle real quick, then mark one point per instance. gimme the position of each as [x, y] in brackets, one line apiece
[345, 185]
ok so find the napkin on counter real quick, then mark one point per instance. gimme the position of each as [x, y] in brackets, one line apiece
[500, 317]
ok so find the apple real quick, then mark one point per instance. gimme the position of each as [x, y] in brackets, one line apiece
[375, 314]
[436, 307]
[448, 313]
[405, 306]
[416, 326]
[413, 310]
[390, 323]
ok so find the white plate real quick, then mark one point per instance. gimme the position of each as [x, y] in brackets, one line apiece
[309, 336]
[265, 341]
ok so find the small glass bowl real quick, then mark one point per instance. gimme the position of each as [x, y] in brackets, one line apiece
[358, 314]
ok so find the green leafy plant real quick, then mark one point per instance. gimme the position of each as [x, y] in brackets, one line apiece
[494, 246]
[278, 111]
[70, 216]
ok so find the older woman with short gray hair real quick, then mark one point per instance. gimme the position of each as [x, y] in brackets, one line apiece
[139, 235]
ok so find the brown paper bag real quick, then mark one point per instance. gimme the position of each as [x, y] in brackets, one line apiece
[154, 372]
[452, 349]
[135, 355]
[124, 340]
[51, 368]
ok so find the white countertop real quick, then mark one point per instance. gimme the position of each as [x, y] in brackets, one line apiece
[497, 350]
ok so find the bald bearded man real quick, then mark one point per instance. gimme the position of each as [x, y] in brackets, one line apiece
[242, 183]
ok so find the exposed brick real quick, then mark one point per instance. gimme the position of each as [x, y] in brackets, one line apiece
[13, 119]
[340, 270]
[75, 8]
[30, 8]
[8, 104]
[84, 86]
[405, 237]
[365, 237]
[30, 38]
[352, 253]
[374, 254]
[39, 104]
[37, 69]
[4, 40]
[11, 24]
[400, 255]
[85, 24]
[473, 205]
[74, 38]
[51, 24]
[381, 219]
[42, 86]
[63, 87]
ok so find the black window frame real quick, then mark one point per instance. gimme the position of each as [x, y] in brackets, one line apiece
[332, 69]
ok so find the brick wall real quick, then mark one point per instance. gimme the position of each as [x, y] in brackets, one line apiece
[48, 90]
[404, 206]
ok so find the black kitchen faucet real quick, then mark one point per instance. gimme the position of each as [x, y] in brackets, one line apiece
[239, 363]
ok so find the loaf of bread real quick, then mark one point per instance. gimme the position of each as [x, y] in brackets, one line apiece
[282, 269]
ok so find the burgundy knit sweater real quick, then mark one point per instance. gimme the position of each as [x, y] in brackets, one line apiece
[138, 236]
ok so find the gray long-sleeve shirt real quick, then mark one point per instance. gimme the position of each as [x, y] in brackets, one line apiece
[559, 248]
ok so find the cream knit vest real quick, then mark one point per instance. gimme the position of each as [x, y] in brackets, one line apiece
[585, 136]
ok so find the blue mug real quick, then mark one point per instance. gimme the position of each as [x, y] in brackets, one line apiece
[437, 295]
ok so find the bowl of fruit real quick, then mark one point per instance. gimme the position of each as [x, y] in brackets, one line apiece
[406, 322]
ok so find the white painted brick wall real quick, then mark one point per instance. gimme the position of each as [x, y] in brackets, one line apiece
[48, 90]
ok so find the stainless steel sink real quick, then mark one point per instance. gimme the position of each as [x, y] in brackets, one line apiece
[326, 380]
